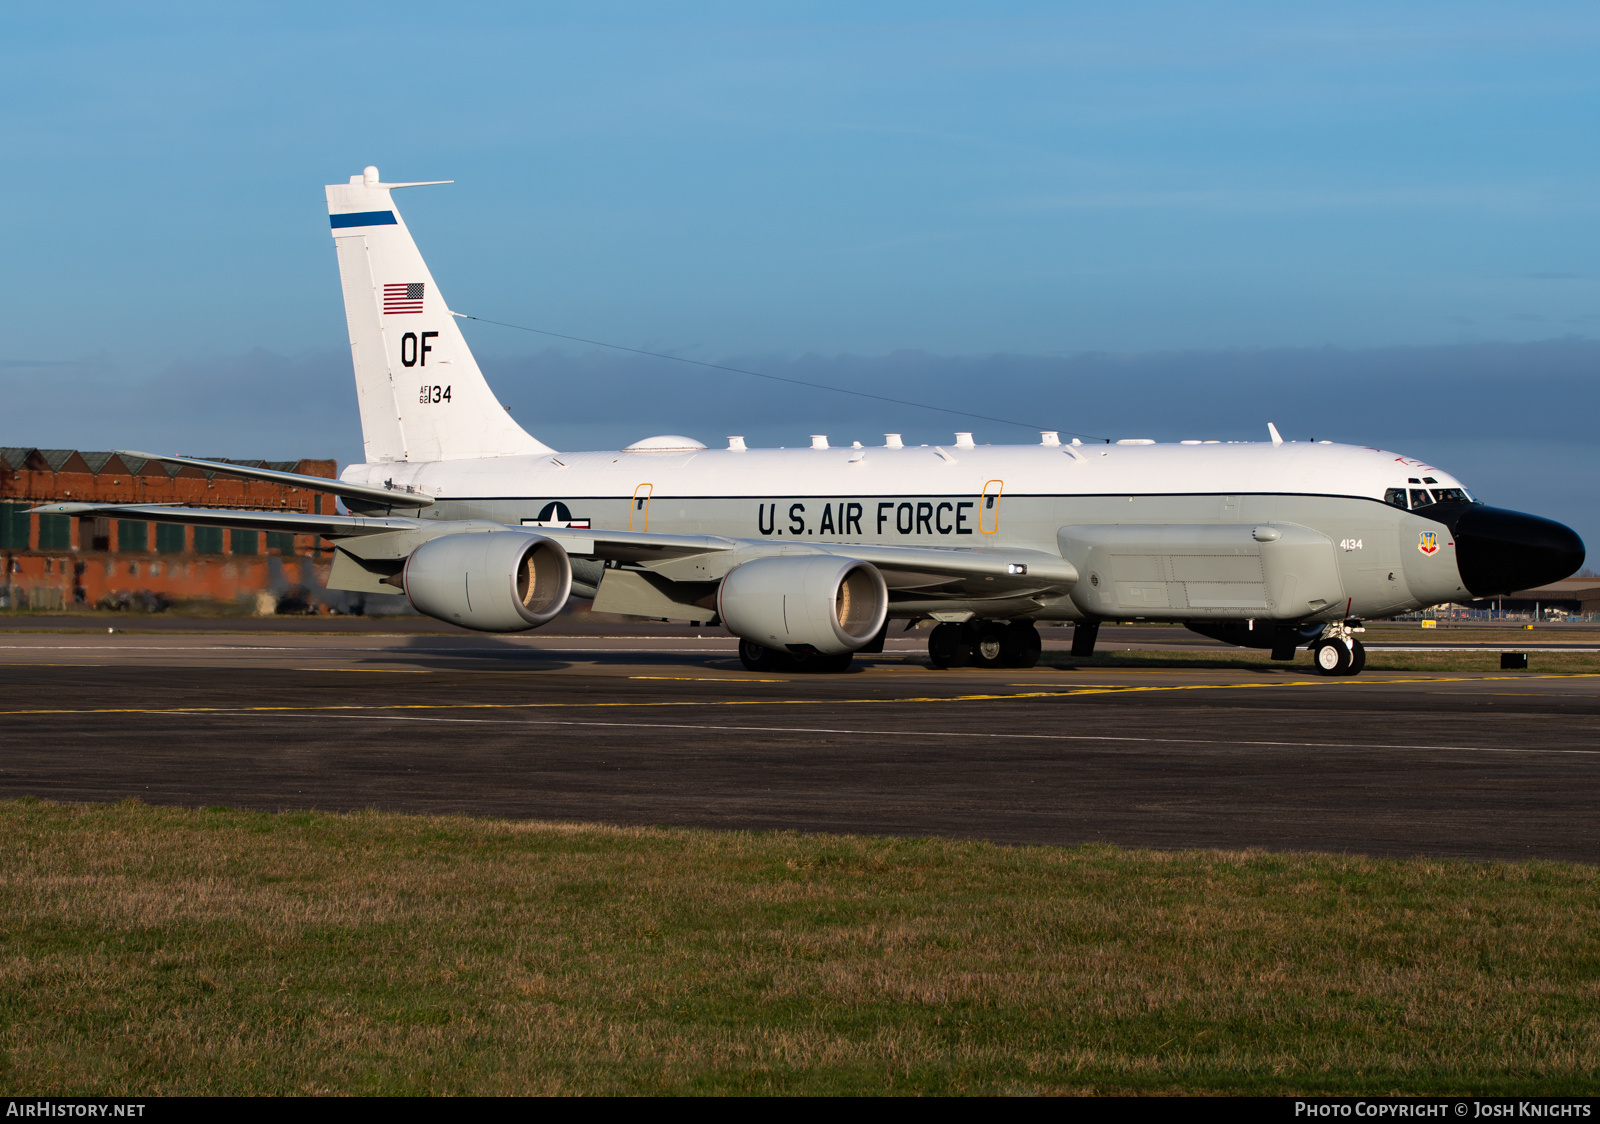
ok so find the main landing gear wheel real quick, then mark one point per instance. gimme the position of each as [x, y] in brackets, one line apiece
[989, 644]
[1338, 656]
[985, 644]
[757, 658]
[1023, 644]
[949, 646]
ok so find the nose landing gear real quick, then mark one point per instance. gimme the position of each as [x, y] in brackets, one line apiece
[1338, 652]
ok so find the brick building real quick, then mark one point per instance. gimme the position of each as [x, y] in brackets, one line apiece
[59, 561]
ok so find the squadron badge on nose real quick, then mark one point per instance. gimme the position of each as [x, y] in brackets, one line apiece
[1428, 542]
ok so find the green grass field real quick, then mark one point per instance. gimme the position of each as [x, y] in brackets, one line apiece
[151, 950]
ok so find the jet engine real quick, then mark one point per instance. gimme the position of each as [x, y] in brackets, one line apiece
[493, 582]
[807, 603]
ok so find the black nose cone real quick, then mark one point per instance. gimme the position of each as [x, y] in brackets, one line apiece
[1500, 551]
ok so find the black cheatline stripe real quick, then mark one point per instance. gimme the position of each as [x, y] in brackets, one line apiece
[769, 496]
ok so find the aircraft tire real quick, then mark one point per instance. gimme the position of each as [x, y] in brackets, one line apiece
[1331, 657]
[1358, 657]
[949, 646]
[1022, 644]
[757, 658]
[990, 645]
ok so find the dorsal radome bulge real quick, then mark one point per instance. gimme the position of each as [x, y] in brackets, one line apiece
[666, 443]
[1137, 441]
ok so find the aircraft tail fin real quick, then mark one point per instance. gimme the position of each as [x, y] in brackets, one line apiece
[421, 393]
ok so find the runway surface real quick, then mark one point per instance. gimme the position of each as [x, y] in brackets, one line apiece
[662, 727]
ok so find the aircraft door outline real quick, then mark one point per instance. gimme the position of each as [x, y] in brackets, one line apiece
[639, 511]
[989, 507]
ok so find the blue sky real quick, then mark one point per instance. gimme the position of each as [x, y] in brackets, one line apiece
[795, 184]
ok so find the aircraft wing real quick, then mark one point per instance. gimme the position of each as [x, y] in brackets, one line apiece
[692, 558]
[329, 526]
[710, 557]
[613, 546]
[941, 572]
[362, 493]
[633, 546]
[911, 567]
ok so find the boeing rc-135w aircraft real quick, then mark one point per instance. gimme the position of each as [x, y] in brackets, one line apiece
[806, 554]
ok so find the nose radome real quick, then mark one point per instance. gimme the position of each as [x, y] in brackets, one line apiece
[1500, 551]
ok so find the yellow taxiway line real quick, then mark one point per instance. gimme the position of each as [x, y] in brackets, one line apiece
[988, 697]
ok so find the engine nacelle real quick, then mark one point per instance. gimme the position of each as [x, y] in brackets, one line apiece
[804, 603]
[497, 581]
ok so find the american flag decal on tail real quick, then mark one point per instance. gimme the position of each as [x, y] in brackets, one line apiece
[399, 300]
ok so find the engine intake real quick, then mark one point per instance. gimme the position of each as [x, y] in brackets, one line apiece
[804, 603]
[493, 582]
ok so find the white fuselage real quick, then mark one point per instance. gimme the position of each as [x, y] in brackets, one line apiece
[970, 497]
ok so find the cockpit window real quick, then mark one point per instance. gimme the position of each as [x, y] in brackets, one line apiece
[1396, 496]
[1450, 495]
[1420, 498]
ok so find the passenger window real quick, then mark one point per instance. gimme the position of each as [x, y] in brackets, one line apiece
[1419, 498]
[1396, 496]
